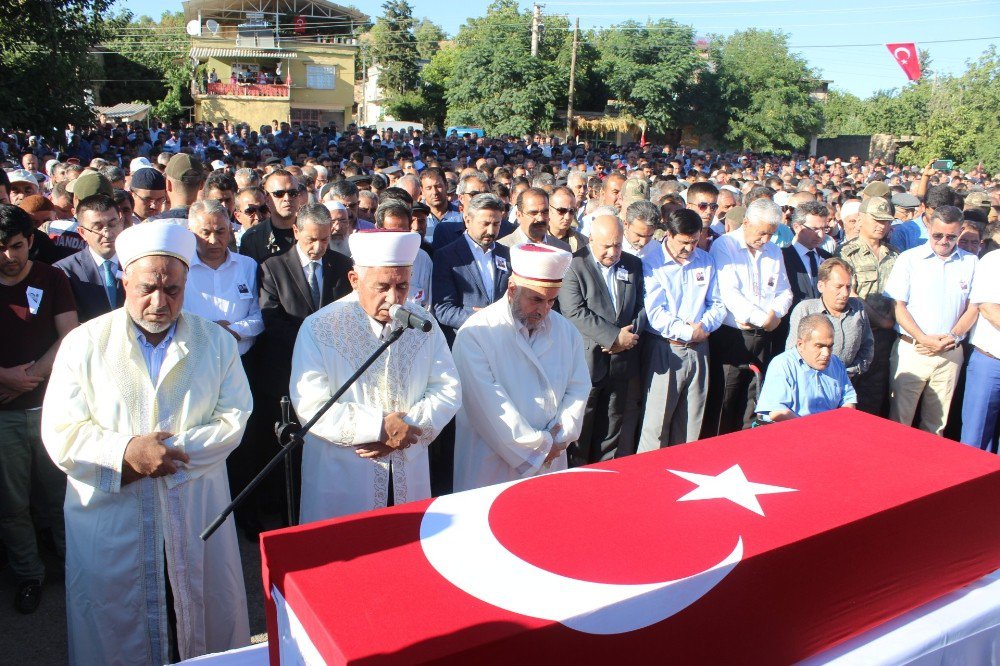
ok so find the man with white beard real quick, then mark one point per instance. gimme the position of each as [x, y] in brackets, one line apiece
[341, 227]
[524, 377]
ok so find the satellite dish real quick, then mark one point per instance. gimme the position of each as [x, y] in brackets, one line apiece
[194, 28]
[213, 26]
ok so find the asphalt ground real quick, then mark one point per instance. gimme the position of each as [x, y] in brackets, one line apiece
[39, 639]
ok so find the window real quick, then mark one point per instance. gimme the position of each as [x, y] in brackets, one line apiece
[306, 117]
[321, 77]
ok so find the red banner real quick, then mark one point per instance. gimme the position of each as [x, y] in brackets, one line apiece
[300, 25]
[907, 57]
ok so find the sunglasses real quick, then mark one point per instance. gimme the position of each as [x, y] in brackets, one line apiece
[564, 211]
[255, 209]
[948, 237]
[281, 194]
[707, 206]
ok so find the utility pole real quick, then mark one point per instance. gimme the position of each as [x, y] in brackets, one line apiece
[536, 26]
[572, 81]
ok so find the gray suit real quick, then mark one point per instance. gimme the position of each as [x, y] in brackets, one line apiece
[611, 417]
[519, 237]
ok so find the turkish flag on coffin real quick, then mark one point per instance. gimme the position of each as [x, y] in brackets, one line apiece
[764, 546]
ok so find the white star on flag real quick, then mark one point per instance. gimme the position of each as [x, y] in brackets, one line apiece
[731, 485]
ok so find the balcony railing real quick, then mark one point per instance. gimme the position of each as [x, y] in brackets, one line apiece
[248, 89]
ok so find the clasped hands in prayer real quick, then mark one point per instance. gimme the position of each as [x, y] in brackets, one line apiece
[147, 455]
[396, 434]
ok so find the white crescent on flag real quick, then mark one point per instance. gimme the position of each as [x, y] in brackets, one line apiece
[457, 540]
[902, 58]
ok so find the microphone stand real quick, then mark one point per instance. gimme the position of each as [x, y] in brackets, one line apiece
[290, 436]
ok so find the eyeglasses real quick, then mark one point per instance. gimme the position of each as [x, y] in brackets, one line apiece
[149, 201]
[281, 194]
[564, 211]
[707, 206]
[948, 237]
[101, 229]
[251, 210]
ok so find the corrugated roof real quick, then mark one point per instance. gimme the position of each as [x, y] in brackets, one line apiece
[205, 52]
[122, 110]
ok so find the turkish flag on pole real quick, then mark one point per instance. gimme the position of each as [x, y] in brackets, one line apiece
[907, 57]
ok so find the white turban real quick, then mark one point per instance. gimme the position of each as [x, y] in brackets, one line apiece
[539, 265]
[382, 247]
[155, 238]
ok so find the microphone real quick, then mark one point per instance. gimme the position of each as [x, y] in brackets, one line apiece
[408, 319]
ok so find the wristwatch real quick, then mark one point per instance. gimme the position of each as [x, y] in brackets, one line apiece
[958, 338]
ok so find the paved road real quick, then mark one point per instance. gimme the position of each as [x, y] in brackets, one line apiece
[40, 639]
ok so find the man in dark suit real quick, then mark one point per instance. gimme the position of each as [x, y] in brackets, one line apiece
[94, 272]
[469, 187]
[274, 235]
[602, 295]
[472, 271]
[803, 257]
[293, 285]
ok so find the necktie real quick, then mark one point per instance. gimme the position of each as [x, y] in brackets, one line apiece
[813, 267]
[110, 283]
[314, 283]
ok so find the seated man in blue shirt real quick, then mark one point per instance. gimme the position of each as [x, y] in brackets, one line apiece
[807, 379]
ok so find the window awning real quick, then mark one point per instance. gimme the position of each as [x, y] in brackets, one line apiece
[201, 52]
[123, 110]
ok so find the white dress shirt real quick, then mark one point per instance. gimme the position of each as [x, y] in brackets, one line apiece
[484, 262]
[751, 284]
[608, 275]
[935, 290]
[304, 261]
[99, 262]
[986, 289]
[677, 293]
[643, 252]
[227, 293]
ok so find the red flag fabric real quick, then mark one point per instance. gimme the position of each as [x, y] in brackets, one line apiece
[907, 57]
[765, 546]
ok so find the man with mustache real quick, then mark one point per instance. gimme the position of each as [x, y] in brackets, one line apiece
[471, 272]
[144, 405]
[524, 377]
[533, 221]
[370, 449]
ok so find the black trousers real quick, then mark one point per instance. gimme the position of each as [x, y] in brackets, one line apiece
[609, 421]
[731, 405]
[872, 386]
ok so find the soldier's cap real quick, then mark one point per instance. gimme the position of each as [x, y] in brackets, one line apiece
[878, 208]
[89, 184]
[876, 189]
[181, 165]
[977, 199]
[735, 215]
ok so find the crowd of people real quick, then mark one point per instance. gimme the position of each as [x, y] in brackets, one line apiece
[164, 287]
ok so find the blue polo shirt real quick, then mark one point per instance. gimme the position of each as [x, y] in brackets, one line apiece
[790, 383]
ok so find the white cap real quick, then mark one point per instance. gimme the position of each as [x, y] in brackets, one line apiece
[850, 207]
[50, 165]
[335, 206]
[781, 197]
[138, 163]
[218, 164]
[538, 265]
[382, 247]
[155, 238]
[22, 176]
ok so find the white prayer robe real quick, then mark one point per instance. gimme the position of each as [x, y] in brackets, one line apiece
[99, 396]
[416, 375]
[513, 392]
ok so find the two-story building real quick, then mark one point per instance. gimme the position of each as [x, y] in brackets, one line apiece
[264, 60]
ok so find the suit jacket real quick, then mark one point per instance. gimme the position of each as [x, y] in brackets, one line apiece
[585, 302]
[256, 244]
[802, 288]
[285, 301]
[445, 233]
[457, 286]
[88, 286]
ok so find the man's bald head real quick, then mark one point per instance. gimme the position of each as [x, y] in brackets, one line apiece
[606, 233]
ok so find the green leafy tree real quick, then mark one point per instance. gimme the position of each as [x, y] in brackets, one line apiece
[429, 36]
[150, 64]
[427, 104]
[46, 78]
[648, 68]
[496, 84]
[762, 93]
[394, 48]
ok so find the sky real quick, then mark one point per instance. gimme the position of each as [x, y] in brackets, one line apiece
[842, 39]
